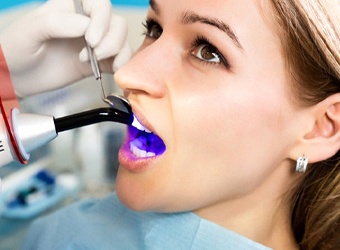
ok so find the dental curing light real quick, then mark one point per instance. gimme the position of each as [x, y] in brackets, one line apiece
[30, 131]
[22, 133]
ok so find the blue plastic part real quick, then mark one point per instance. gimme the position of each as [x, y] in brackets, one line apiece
[32, 197]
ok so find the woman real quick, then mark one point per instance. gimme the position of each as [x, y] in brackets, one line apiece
[242, 101]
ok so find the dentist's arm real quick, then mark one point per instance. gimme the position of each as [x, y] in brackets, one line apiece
[45, 49]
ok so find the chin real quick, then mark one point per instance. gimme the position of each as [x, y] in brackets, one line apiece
[131, 202]
[131, 193]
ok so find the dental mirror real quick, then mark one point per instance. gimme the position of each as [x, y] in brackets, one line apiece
[118, 102]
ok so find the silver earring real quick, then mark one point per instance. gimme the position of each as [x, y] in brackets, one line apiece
[301, 164]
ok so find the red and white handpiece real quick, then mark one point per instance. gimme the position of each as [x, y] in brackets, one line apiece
[20, 133]
[9, 146]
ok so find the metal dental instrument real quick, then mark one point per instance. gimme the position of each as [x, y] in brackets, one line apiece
[94, 62]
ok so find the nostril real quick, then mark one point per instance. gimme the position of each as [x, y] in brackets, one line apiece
[136, 91]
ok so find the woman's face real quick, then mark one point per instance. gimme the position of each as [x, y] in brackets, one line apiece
[210, 81]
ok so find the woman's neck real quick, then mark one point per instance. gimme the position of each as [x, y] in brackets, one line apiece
[263, 215]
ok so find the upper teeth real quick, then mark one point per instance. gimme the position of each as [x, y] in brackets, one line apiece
[139, 126]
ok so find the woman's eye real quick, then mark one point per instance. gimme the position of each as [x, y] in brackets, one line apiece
[152, 29]
[203, 50]
[207, 53]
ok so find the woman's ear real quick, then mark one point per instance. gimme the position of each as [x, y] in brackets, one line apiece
[323, 140]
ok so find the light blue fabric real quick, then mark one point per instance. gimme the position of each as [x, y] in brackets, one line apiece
[107, 224]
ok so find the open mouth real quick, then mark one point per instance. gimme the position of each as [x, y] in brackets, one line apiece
[143, 142]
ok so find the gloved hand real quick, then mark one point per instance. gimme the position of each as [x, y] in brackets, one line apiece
[45, 49]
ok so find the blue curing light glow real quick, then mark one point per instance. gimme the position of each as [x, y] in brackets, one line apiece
[143, 140]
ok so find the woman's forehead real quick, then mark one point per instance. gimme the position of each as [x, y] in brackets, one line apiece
[238, 19]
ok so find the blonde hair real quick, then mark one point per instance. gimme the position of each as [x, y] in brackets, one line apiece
[310, 35]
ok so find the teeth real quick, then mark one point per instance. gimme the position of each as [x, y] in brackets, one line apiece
[140, 153]
[139, 126]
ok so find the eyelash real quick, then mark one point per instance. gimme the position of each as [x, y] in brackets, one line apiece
[204, 41]
[149, 24]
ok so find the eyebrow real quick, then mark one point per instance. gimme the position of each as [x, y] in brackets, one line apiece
[191, 17]
[154, 6]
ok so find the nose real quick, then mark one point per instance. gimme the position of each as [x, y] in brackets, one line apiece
[148, 70]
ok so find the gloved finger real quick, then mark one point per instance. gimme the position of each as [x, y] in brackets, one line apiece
[62, 25]
[112, 43]
[100, 14]
[112, 64]
[113, 40]
[84, 55]
[123, 57]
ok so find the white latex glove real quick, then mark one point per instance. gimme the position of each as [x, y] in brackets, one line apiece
[45, 49]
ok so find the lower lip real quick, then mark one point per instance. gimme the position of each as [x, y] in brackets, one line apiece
[132, 163]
